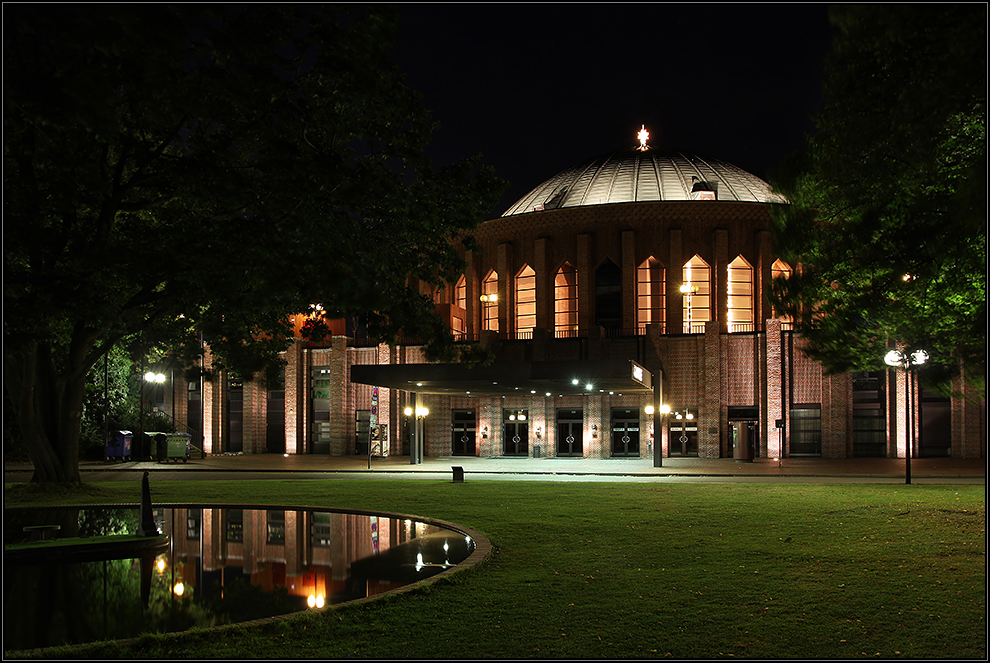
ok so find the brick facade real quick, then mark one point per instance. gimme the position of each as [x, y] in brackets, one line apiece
[721, 373]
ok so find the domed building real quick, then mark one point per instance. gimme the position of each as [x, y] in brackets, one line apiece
[625, 301]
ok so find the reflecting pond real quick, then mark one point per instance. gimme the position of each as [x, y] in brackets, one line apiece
[222, 565]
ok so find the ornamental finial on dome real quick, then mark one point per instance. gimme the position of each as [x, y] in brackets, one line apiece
[643, 136]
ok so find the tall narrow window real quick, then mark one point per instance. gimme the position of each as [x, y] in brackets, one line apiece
[565, 312]
[460, 292]
[489, 302]
[739, 288]
[458, 315]
[608, 295]
[781, 270]
[696, 295]
[650, 293]
[525, 300]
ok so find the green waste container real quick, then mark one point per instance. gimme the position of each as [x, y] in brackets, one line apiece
[171, 446]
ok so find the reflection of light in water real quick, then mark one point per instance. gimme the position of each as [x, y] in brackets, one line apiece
[189, 527]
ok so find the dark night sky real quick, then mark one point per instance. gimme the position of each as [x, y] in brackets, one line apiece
[537, 88]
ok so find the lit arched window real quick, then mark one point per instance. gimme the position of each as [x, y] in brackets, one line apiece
[460, 292]
[525, 300]
[489, 302]
[565, 312]
[459, 314]
[781, 270]
[650, 293]
[696, 295]
[739, 289]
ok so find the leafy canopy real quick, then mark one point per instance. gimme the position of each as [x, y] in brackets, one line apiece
[888, 206]
[226, 164]
[196, 168]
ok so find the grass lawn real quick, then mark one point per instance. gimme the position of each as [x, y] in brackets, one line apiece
[631, 570]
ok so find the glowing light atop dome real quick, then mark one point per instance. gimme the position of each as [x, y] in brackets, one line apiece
[643, 136]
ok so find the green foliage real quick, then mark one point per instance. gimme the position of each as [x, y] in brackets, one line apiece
[179, 169]
[888, 207]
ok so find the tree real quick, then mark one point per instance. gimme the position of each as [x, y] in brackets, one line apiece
[209, 169]
[888, 205]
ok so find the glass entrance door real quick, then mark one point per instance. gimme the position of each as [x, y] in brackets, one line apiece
[625, 431]
[515, 432]
[462, 442]
[570, 440]
[683, 433]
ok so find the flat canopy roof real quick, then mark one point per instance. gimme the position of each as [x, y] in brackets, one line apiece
[510, 379]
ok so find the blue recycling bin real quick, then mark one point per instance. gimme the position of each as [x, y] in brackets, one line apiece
[119, 445]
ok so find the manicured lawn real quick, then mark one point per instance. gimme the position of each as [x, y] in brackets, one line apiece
[633, 570]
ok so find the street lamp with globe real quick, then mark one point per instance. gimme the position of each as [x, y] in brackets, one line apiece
[907, 361]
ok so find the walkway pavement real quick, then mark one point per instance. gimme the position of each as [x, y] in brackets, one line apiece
[886, 468]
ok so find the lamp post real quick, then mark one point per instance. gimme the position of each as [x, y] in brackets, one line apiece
[658, 432]
[486, 301]
[906, 361]
[688, 290]
[154, 378]
[417, 432]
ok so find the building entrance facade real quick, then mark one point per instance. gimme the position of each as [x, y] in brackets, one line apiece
[463, 430]
[625, 432]
[515, 433]
[570, 432]
[683, 433]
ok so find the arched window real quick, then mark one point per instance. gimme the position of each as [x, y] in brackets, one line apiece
[608, 295]
[460, 292]
[739, 288]
[489, 302]
[458, 316]
[565, 311]
[696, 294]
[651, 293]
[525, 300]
[781, 270]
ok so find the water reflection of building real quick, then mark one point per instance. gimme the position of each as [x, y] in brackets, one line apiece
[310, 553]
[645, 259]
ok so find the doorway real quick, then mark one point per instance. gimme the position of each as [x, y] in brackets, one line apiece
[625, 431]
[683, 433]
[515, 432]
[463, 426]
[570, 438]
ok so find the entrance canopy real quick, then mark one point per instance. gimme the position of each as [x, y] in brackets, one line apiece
[510, 379]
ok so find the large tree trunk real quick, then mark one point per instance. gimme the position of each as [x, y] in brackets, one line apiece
[47, 406]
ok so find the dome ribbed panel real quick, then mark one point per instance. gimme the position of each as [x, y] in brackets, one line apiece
[578, 193]
[640, 176]
[647, 179]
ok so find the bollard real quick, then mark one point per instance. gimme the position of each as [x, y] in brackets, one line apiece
[458, 473]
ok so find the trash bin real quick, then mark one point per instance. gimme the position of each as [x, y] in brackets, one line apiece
[178, 446]
[536, 451]
[119, 445]
[161, 447]
[143, 446]
[742, 441]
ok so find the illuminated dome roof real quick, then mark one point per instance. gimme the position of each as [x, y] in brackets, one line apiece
[643, 174]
